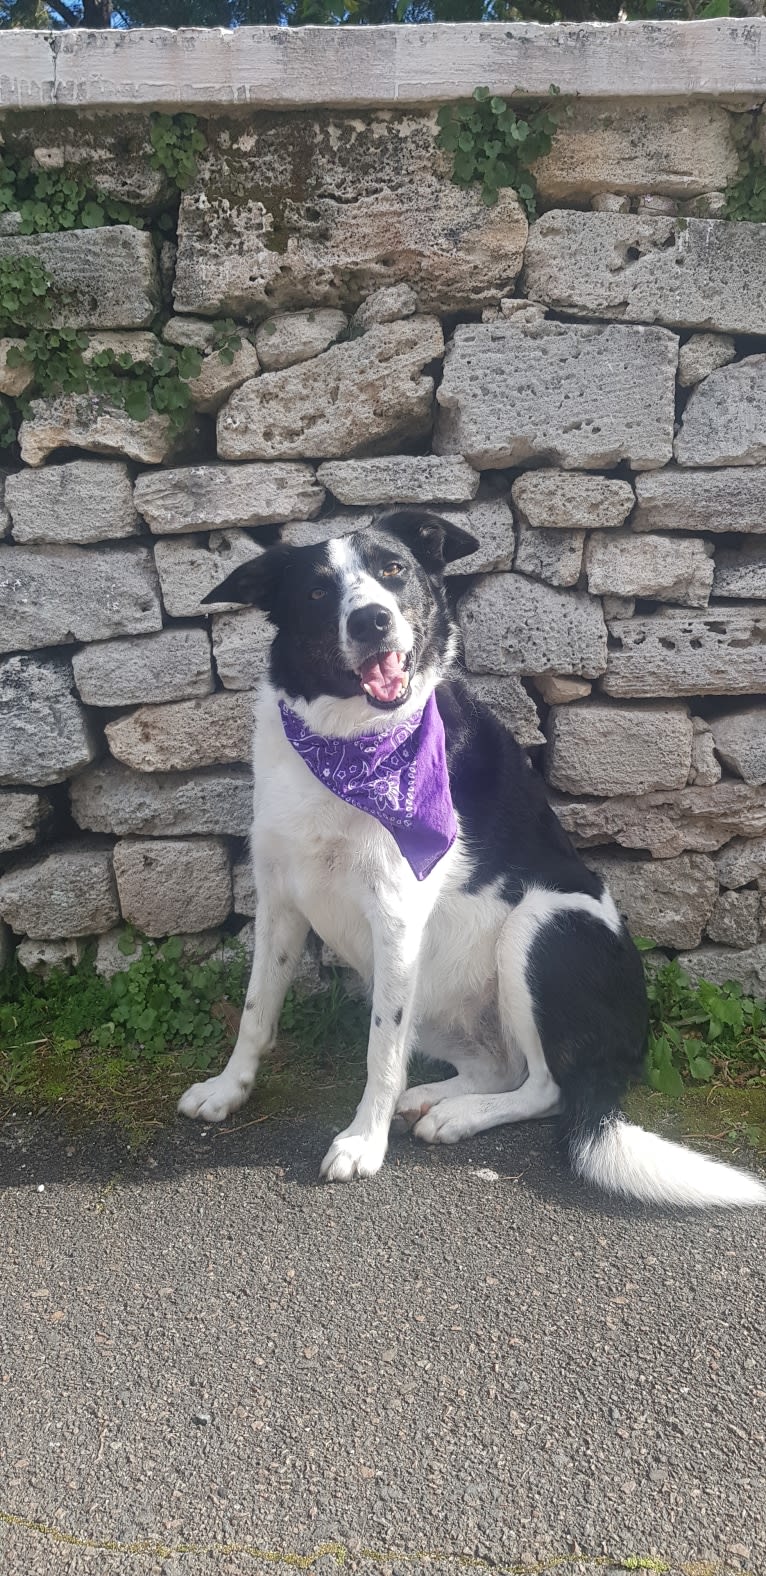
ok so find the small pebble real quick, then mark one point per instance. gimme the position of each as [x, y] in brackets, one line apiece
[485, 1175]
[41, 1187]
[202, 1419]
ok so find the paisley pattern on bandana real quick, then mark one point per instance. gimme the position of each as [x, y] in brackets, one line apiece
[400, 778]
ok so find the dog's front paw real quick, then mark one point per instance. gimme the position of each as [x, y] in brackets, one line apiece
[213, 1100]
[353, 1155]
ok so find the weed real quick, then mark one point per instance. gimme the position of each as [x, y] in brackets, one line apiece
[746, 197]
[176, 143]
[227, 339]
[703, 1033]
[24, 289]
[50, 200]
[495, 145]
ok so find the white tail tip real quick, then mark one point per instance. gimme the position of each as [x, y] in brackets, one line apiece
[624, 1159]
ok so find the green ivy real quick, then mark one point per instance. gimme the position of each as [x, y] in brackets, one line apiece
[55, 199]
[227, 339]
[24, 292]
[176, 143]
[493, 144]
[60, 365]
[746, 197]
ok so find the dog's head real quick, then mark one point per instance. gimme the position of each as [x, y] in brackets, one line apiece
[360, 618]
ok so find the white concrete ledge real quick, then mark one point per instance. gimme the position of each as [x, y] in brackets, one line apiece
[281, 68]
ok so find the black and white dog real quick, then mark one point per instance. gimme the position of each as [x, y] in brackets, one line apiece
[399, 819]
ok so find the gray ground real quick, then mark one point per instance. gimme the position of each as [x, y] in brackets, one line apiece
[204, 1348]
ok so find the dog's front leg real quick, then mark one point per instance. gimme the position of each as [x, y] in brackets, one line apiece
[360, 1149]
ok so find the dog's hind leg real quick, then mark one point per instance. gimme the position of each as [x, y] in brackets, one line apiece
[478, 1071]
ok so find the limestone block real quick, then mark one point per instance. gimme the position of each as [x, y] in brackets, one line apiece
[14, 381]
[291, 337]
[48, 957]
[141, 347]
[736, 919]
[618, 146]
[618, 607]
[665, 823]
[553, 556]
[366, 395]
[662, 568]
[241, 644]
[188, 570]
[109, 958]
[196, 332]
[724, 422]
[306, 533]
[243, 882]
[653, 205]
[104, 278]
[88, 421]
[172, 665]
[5, 519]
[386, 305]
[184, 735]
[109, 153]
[692, 273]
[703, 354]
[57, 595]
[399, 479]
[214, 497]
[582, 396]
[170, 887]
[562, 500]
[605, 749]
[741, 571]
[721, 964]
[740, 742]
[668, 901]
[490, 520]
[287, 213]
[516, 307]
[217, 377]
[705, 769]
[80, 502]
[558, 689]
[514, 625]
[507, 698]
[610, 202]
[742, 861]
[23, 817]
[45, 734]
[679, 500]
[111, 798]
[671, 652]
[70, 891]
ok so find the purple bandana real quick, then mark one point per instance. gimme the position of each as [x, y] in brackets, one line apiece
[399, 777]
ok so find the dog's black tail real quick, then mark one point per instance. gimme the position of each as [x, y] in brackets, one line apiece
[610, 1152]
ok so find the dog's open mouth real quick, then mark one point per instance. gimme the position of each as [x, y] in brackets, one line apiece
[385, 677]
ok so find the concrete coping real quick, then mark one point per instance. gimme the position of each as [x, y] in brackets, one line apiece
[283, 68]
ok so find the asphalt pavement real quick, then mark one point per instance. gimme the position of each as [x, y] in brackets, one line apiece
[211, 1365]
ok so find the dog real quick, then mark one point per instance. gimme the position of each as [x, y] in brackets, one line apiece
[397, 817]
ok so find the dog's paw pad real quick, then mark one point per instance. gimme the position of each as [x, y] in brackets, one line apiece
[414, 1103]
[213, 1100]
[438, 1126]
[353, 1155]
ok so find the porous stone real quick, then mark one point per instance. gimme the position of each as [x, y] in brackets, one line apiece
[14, 380]
[562, 500]
[703, 354]
[516, 307]
[170, 887]
[490, 520]
[184, 735]
[558, 689]
[661, 568]
[141, 347]
[705, 769]
[724, 422]
[722, 964]
[386, 305]
[618, 607]
[399, 478]
[514, 625]
[741, 571]
[23, 817]
[196, 333]
[617, 147]
[219, 376]
[112, 798]
[581, 396]
[292, 337]
[70, 891]
[188, 570]
[667, 901]
[553, 556]
[243, 884]
[740, 742]
[693, 273]
[56, 595]
[653, 204]
[88, 421]
[665, 823]
[605, 749]
[507, 698]
[172, 665]
[736, 919]
[81, 502]
[212, 497]
[364, 396]
[610, 202]
[5, 519]
[45, 735]
[342, 522]
[671, 652]
[111, 959]
[105, 278]
[289, 214]
[743, 860]
[679, 500]
[241, 644]
[110, 154]
[44, 958]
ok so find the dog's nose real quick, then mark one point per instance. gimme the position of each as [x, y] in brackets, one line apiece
[369, 623]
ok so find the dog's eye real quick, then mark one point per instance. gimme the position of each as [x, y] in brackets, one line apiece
[391, 569]
[317, 593]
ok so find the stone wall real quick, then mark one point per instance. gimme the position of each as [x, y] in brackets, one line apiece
[587, 392]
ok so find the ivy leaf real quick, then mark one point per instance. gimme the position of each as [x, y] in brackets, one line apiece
[92, 216]
[480, 94]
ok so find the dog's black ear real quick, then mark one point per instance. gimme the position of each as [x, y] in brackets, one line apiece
[433, 540]
[257, 582]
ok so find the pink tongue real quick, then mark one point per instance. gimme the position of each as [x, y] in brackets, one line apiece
[383, 674]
